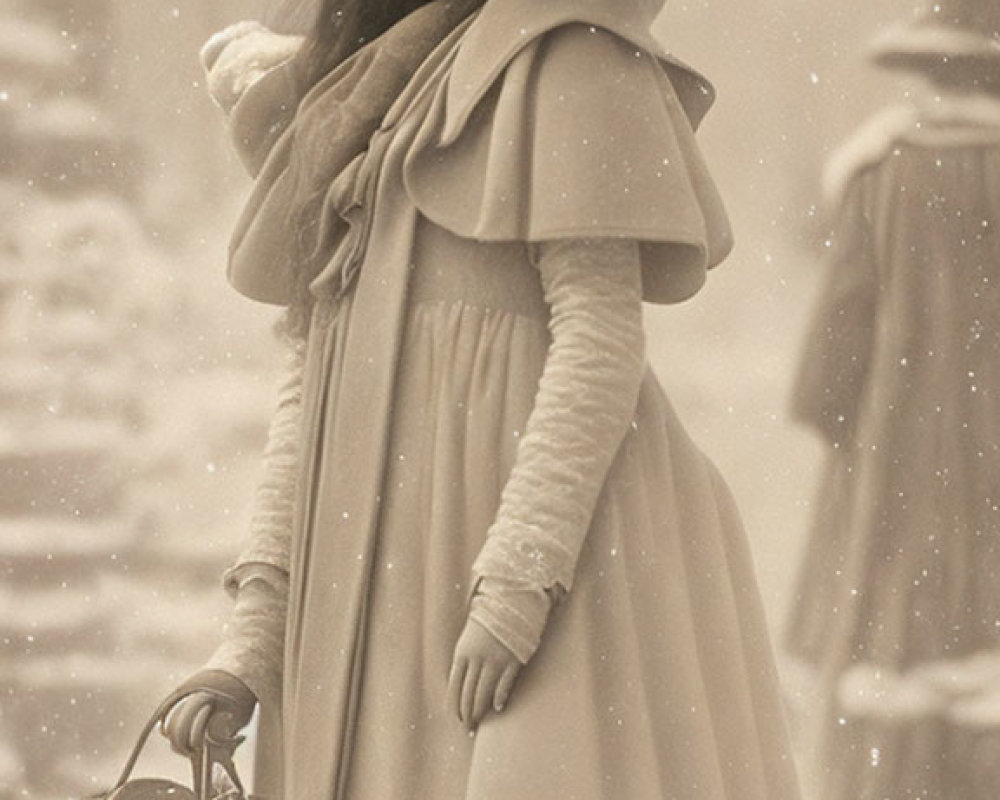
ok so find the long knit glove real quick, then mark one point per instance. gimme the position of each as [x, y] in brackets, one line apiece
[269, 540]
[586, 401]
[253, 646]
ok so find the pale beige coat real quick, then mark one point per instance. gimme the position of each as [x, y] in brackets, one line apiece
[655, 677]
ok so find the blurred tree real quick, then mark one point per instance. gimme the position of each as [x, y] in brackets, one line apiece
[154, 82]
[102, 602]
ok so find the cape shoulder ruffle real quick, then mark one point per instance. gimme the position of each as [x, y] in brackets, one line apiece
[577, 128]
[559, 119]
[505, 27]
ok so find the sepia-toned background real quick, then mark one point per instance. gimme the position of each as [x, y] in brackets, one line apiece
[135, 385]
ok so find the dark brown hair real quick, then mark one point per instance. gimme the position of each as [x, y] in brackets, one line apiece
[343, 26]
[335, 30]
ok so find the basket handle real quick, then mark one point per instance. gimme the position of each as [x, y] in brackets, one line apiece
[159, 714]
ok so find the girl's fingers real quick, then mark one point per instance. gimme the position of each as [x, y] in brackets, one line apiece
[179, 723]
[196, 737]
[485, 690]
[455, 682]
[167, 728]
[469, 692]
[505, 686]
[177, 727]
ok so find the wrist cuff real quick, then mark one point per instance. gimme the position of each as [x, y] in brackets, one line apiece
[513, 612]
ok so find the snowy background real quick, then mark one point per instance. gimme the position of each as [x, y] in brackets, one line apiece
[135, 385]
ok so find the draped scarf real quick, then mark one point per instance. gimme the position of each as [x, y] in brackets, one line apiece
[283, 237]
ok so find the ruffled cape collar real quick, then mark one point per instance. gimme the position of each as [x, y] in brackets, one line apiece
[505, 27]
[267, 252]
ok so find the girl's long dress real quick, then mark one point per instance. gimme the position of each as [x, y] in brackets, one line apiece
[654, 678]
[902, 371]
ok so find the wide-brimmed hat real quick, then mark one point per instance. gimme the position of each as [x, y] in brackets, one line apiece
[942, 34]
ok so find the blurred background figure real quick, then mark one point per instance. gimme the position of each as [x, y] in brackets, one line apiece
[898, 604]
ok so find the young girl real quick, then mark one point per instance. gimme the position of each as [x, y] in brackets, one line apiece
[487, 561]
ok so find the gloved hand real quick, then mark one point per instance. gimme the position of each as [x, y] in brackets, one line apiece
[482, 675]
[219, 707]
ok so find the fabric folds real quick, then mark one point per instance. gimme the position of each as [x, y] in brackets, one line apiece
[332, 125]
[835, 364]
[421, 382]
[545, 156]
